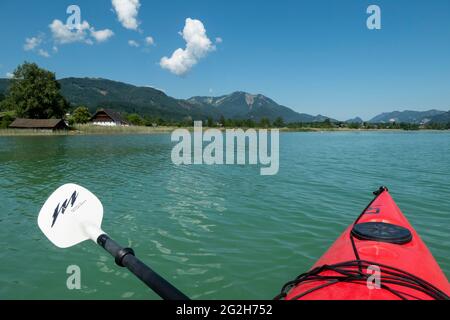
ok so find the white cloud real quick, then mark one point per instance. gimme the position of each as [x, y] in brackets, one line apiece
[149, 41]
[32, 43]
[9, 75]
[219, 40]
[198, 45]
[55, 49]
[101, 35]
[127, 12]
[63, 34]
[133, 43]
[43, 53]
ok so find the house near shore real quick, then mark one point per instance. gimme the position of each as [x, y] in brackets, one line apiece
[109, 118]
[39, 124]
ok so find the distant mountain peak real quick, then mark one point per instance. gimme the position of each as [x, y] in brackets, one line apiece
[355, 120]
[407, 116]
[244, 105]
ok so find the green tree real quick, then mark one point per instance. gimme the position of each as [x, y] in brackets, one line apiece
[238, 123]
[81, 115]
[135, 119]
[279, 122]
[222, 121]
[6, 120]
[35, 93]
[2, 105]
[264, 123]
[149, 121]
[354, 125]
[249, 123]
[327, 123]
[210, 122]
[161, 122]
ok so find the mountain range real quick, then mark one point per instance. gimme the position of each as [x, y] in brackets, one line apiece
[147, 101]
[96, 93]
[408, 116]
[243, 105]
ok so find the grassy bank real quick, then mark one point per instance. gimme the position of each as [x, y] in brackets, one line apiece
[91, 129]
[31, 132]
[87, 129]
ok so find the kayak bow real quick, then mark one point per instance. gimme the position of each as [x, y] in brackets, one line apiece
[379, 257]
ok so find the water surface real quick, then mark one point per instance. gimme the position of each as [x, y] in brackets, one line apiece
[216, 232]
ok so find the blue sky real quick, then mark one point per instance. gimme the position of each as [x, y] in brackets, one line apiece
[313, 56]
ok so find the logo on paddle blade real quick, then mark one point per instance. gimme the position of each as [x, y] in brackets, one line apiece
[60, 209]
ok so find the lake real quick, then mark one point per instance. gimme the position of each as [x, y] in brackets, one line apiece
[216, 232]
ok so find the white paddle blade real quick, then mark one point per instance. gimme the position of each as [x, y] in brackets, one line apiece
[71, 215]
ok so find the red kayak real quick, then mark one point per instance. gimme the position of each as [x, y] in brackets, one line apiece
[379, 257]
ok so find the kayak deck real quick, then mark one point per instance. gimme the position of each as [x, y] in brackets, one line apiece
[381, 245]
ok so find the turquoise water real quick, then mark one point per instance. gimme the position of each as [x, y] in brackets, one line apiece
[216, 232]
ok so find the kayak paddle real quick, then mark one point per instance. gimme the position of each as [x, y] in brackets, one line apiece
[73, 214]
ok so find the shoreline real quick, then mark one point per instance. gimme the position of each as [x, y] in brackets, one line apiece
[86, 130]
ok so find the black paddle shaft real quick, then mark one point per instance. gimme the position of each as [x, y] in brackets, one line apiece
[124, 257]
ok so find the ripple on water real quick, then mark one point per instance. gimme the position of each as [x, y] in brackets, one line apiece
[214, 231]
